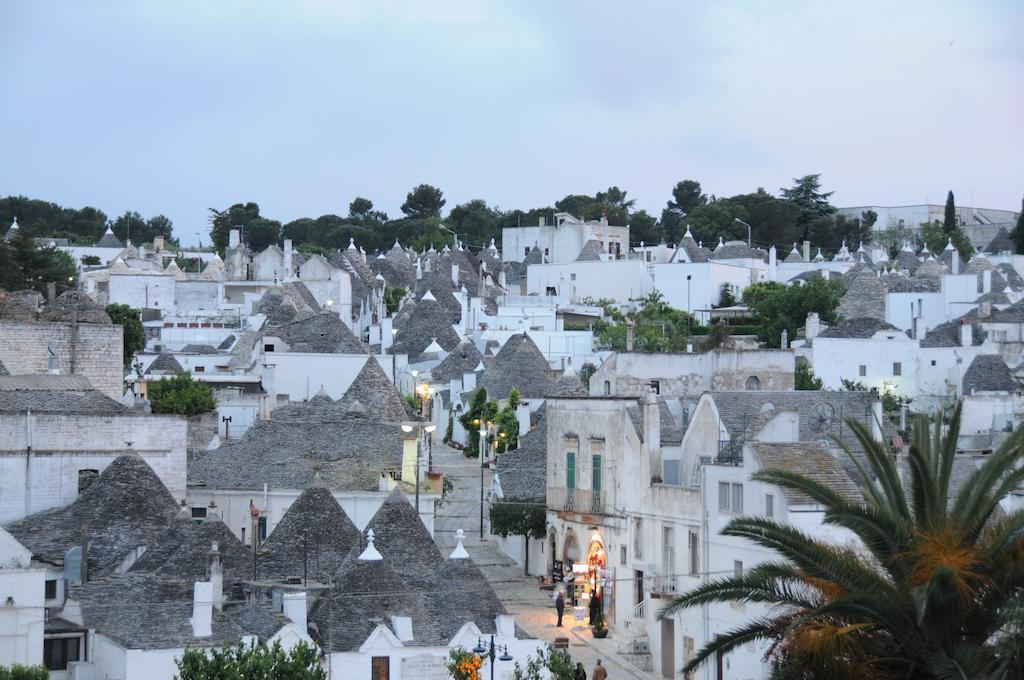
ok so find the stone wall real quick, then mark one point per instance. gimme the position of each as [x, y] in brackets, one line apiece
[93, 350]
[41, 455]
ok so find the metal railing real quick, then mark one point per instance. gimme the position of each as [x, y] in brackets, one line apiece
[584, 501]
[730, 453]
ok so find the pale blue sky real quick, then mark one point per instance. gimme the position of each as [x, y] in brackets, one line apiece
[173, 107]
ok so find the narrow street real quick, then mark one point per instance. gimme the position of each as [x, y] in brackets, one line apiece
[531, 606]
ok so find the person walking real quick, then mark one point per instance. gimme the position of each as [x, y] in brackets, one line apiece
[579, 673]
[599, 672]
[560, 607]
[592, 608]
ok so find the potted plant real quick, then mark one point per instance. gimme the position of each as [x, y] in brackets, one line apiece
[599, 626]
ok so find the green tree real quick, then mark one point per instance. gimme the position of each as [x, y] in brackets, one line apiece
[925, 592]
[810, 200]
[804, 377]
[779, 307]
[726, 298]
[81, 226]
[519, 517]
[686, 196]
[507, 423]
[131, 321]
[644, 227]
[91, 260]
[586, 371]
[392, 298]
[20, 672]
[657, 327]
[1017, 235]
[25, 265]
[715, 219]
[423, 201]
[557, 663]
[181, 395]
[772, 220]
[131, 225]
[475, 222]
[252, 662]
[222, 222]
[949, 222]
[577, 205]
[261, 232]
[936, 238]
[361, 211]
[480, 411]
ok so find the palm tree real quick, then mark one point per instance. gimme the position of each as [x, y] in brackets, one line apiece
[934, 590]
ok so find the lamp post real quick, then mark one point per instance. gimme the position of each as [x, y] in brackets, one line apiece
[489, 650]
[227, 422]
[688, 312]
[485, 429]
[748, 229]
[421, 428]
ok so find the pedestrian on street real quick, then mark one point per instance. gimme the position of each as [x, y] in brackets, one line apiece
[560, 607]
[592, 608]
[579, 673]
[599, 672]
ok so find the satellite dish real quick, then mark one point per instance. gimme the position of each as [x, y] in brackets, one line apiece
[821, 416]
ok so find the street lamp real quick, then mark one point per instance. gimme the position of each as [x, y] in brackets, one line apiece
[227, 422]
[421, 427]
[748, 229]
[486, 428]
[489, 650]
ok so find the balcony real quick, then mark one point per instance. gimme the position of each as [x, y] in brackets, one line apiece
[730, 453]
[584, 501]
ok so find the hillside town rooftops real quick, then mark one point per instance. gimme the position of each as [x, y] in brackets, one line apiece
[375, 392]
[463, 359]
[948, 334]
[860, 327]
[523, 471]
[74, 305]
[1000, 243]
[811, 460]
[989, 373]
[518, 364]
[63, 394]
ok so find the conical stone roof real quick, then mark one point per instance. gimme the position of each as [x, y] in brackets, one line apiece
[865, 297]
[376, 394]
[519, 363]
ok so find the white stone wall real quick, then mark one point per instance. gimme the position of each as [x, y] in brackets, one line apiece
[193, 296]
[21, 622]
[620, 280]
[142, 291]
[96, 350]
[61, 445]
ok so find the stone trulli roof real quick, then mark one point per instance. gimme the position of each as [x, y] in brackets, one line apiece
[1013, 279]
[64, 394]
[395, 267]
[1001, 242]
[861, 327]
[535, 256]
[989, 373]
[567, 385]
[14, 307]
[182, 550]
[125, 507]
[978, 264]
[439, 284]
[906, 259]
[286, 451]
[948, 334]
[164, 363]
[523, 471]
[314, 524]
[591, 251]
[897, 283]
[519, 363]
[794, 256]
[322, 333]
[932, 268]
[694, 252]
[737, 250]
[74, 305]
[463, 359]
[865, 297]
[376, 393]
[426, 322]
[810, 460]
[402, 538]
[108, 240]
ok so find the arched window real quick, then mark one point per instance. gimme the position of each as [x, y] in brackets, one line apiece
[753, 383]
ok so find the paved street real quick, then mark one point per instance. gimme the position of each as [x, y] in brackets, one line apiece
[531, 605]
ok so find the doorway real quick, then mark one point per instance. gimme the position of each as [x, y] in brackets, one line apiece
[668, 648]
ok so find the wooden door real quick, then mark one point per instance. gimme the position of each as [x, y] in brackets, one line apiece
[380, 668]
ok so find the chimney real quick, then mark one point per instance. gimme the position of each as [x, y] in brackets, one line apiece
[468, 381]
[784, 340]
[523, 416]
[825, 273]
[293, 605]
[202, 609]
[954, 265]
[455, 274]
[419, 271]
[812, 326]
[689, 348]
[142, 251]
[652, 433]
[966, 337]
[264, 407]
[807, 251]
[288, 272]
[158, 244]
[985, 309]
[986, 282]
[773, 263]
[629, 335]
[216, 578]
[234, 238]
[919, 329]
[53, 361]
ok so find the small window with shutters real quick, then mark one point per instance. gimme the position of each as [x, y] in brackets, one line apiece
[769, 505]
[596, 479]
[570, 470]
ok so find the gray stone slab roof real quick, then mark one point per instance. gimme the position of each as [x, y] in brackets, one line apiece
[374, 391]
[1013, 279]
[463, 359]
[519, 363]
[535, 256]
[15, 307]
[426, 322]
[403, 540]
[127, 506]
[693, 250]
[439, 284]
[183, 549]
[1000, 242]
[108, 240]
[74, 305]
[896, 283]
[591, 251]
[737, 250]
[906, 260]
[523, 472]
[350, 452]
[670, 433]
[65, 394]
[314, 525]
[1012, 314]
[989, 373]
[567, 385]
[227, 342]
[198, 349]
[948, 335]
[811, 460]
[862, 327]
[164, 363]
[864, 297]
[147, 611]
[321, 333]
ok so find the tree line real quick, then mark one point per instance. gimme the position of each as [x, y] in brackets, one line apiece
[80, 226]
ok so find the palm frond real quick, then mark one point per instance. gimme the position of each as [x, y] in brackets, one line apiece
[977, 488]
[758, 629]
[881, 461]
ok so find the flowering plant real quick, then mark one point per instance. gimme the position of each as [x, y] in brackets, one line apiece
[463, 665]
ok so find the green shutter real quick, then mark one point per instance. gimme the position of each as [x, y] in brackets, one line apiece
[596, 486]
[570, 470]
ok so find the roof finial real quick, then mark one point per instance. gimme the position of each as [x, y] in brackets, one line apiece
[460, 552]
[370, 554]
[351, 243]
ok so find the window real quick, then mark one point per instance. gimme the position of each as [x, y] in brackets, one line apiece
[570, 470]
[737, 568]
[863, 370]
[933, 362]
[622, 555]
[198, 514]
[526, 251]
[262, 525]
[380, 668]
[638, 538]
[596, 479]
[51, 589]
[545, 252]
[268, 348]
[199, 369]
[58, 652]
[753, 383]
[730, 497]
[769, 505]
[901, 223]
[550, 291]
[694, 552]
[668, 558]
[607, 388]
[656, 386]
[897, 368]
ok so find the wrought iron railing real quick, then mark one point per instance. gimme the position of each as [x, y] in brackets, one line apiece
[585, 501]
[730, 452]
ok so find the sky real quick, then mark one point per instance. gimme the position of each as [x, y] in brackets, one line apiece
[178, 106]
